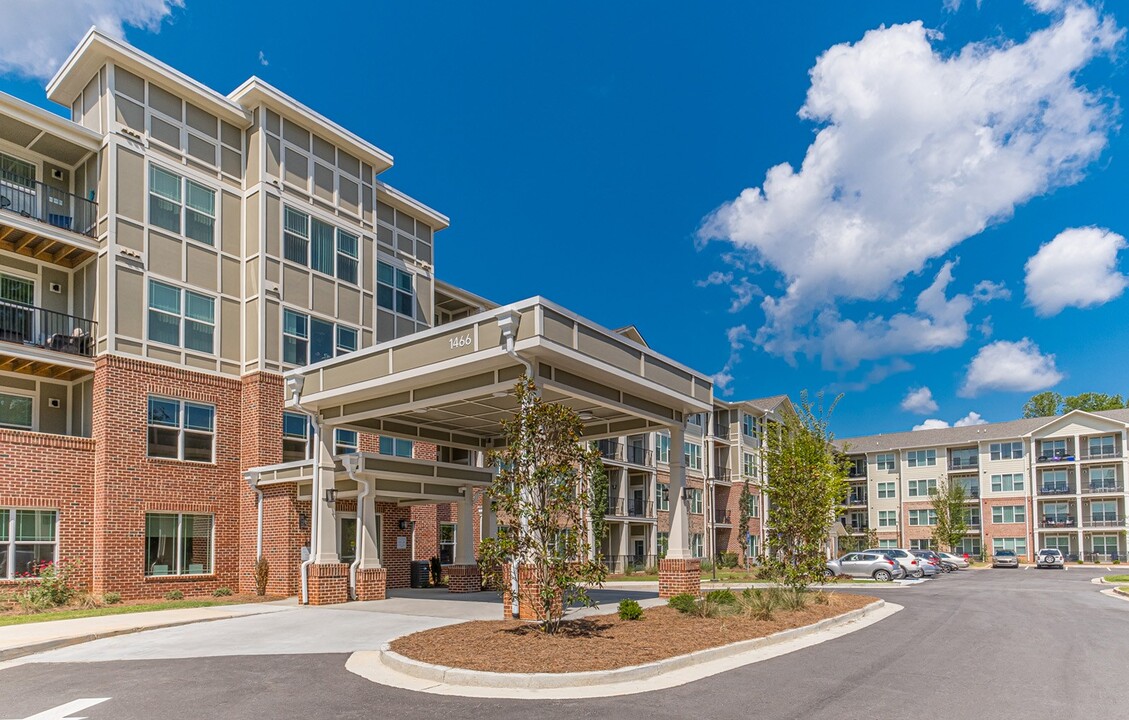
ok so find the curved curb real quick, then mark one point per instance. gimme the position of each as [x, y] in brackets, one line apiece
[391, 668]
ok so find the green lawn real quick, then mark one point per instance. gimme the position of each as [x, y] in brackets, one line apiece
[111, 610]
[1117, 578]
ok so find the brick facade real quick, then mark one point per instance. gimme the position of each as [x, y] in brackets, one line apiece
[679, 576]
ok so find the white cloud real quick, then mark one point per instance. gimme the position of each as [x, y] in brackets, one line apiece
[744, 292]
[716, 278]
[263, 59]
[985, 328]
[931, 424]
[972, 418]
[1078, 268]
[919, 400]
[877, 373]
[1010, 367]
[986, 291]
[918, 150]
[36, 36]
[737, 337]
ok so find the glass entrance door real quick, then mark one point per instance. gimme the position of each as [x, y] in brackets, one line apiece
[17, 317]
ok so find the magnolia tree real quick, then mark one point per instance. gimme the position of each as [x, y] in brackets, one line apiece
[550, 488]
[806, 484]
[952, 514]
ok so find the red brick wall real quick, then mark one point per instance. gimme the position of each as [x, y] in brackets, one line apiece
[261, 444]
[42, 471]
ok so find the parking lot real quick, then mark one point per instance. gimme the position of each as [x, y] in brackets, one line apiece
[983, 643]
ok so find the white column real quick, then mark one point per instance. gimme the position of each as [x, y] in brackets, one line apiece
[325, 544]
[679, 540]
[370, 534]
[488, 526]
[464, 530]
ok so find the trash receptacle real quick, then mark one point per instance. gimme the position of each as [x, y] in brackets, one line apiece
[421, 574]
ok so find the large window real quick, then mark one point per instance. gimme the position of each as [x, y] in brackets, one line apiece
[1006, 451]
[307, 339]
[663, 492]
[883, 544]
[748, 425]
[395, 290]
[295, 437]
[181, 430]
[696, 545]
[1008, 514]
[693, 455]
[972, 517]
[748, 465]
[887, 518]
[16, 411]
[178, 544]
[695, 497]
[28, 538]
[968, 546]
[320, 246]
[1016, 544]
[887, 489]
[922, 488]
[1103, 511]
[1007, 483]
[447, 543]
[921, 458]
[753, 505]
[345, 441]
[181, 317]
[16, 171]
[923, 517]
[921, 543]
[1101, 446]
[662, 448]
[182, 206]
[1101, 478]
[1104, 544]
[396, 446]
[663, 542]
[885, 461]
[1052, 449]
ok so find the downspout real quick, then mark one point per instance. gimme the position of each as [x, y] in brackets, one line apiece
[252, 479]
[508, 323]
[296, 383]
[352, 464]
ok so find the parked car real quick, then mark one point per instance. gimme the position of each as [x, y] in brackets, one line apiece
[1050, 557]
[931, 558]
[1005, 558]
[866, 565]
[957, 562]
[905, 558]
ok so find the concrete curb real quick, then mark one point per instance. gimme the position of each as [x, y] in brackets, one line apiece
[460, 677]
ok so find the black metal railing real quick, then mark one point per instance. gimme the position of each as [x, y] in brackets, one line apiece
[1103, 522]
[1058, 521]
[1057, 489]
[32, 199]
[1055, 457]
[857, 499]
[1101, 487]
[620, 507]
[722, 476]
[1100, 454]
[636, 455]
[30, 325]
[723, 517]
[964, 463]
[628, 564]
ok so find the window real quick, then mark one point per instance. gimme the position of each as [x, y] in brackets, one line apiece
[857, 468]
[1101, 478]
[662, 448]
[182, 206]
[1052, 449]
[447, 543]
[922, 488]
[1101, 446]
[181, 317]
[696, 545]
[345, 441]
[748, 425]
[693, 455]
[1007, 483]
[972, 517]
[694, 495]
[1006, 451]
[1104, 544]
[887, 489]
[307, 339]
[971, 486]
[663, 492]
[1058, 542]
[887, 518]
[748, 465]
[181, 430]
[885, 461]
[16, 171]
[695, 419]
[1016, 544]
[1103, 511]
[320, 246]
[395, 446]
[16, 411]
[178, 544]
[1009, 514]
[921, 544]
[883, 544]
[752, 544]
[753, 504]
[295, 437]
[964, 458]
[28, 538]
[921, 458]
[1056, 513]
[923, 517]
[663, 543]
[968, 546]
[1054, 481]
[346, 537]
[395, 290]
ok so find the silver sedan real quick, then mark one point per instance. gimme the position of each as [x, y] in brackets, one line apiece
[866, 565]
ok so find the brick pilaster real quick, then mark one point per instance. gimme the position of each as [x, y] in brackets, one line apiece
[463, 578]
[679, 576]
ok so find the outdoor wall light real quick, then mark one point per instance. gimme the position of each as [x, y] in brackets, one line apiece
[330, 496]
[404, 524]
[303, 521]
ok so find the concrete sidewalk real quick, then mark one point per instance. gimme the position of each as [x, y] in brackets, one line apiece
[19, 640]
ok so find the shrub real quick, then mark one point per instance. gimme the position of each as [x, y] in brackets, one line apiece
[793, 599]
[174, 595]
[436, 571]
[684, 603]
[1116, 561]
[759, 604]
[111, 598]
[821, 598]
[651, 570]
[33, 602]
[222, 592]
[706, 566]
[262, 574]
[722, 597]
[728, 560]
[630, 610]
[87, 601]
[628, 569]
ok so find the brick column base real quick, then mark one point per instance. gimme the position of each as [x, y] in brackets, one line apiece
[463, 578]
[329, 584]
[372, 583]
[528, 593]
[679, 576]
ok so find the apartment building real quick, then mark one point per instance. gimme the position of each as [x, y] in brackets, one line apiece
[222, 337]
[1050, 482]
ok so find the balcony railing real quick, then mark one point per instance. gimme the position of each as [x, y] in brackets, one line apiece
[1056, 489]
[723, 518]
[1058, 521]
[620, 507]
[856, 499]
[1100, 454]
[38, 327]
[1103, 488]
[722, 476]
[32, 199]
[972, 493]
[964, 463]
[630, 563]
[1060, 457]
[634, 454]
[1103, 522]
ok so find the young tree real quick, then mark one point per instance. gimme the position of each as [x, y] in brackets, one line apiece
[1044, 404]
[1091, 401]
[952, 521]
[549, 489]
[743, 523]
[806, 484]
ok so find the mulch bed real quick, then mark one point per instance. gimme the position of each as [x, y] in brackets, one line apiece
[603, 642]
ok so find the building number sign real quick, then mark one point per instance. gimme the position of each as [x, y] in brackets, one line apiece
[460, 341]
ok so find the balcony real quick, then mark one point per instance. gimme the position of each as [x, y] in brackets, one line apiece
[722, 476]
[1057, 522]
[856, 499]
[1056, 457]
[723, 518]
[1101, 488]
[618, 452]
[1100, 454]
[1103, 522]
[964, 464]
[45, 343]
[620, 507]
[1056, 489]
[45, 223]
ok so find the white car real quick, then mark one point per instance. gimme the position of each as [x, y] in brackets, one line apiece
[1050, 557]
[955, 561]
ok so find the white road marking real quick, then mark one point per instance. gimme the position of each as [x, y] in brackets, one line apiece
[63, 712]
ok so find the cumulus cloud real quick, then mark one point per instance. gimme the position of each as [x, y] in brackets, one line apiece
[1010, 367]
[917, 150]
[972, 418]
[1078, 268]
[919, 400]
[36, 36]
[931, 424]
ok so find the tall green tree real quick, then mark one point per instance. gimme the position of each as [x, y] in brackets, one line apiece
[952, 514]
[548, 488]
[806, 483]
[1091, 401]
[1044, 404]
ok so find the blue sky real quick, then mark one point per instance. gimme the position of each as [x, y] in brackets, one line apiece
[589, 145]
